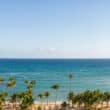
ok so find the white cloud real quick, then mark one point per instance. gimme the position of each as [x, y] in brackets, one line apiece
[84, 52]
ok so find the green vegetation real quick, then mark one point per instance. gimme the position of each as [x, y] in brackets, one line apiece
[25, 99]
[87, 100]
[47, 94]
[1, 82]
[55, 87]
[70, 76]
[3, 96]
[40, 97]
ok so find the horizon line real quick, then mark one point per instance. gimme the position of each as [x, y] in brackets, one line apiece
[53, 58]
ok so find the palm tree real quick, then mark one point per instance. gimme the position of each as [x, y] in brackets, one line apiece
[29, 91]
[39, 108]
[33, 82]
[11, 84]
[26, 81]
[3, 97]
[98, 97]
[107, 98]
[86, 98]
[30, 85]
[47, 94]
[26, 101]
[75, 99]
[64, 105]
[13, 99]
[55, 87]
[1, 81]
[40, 96]
[30, 82]
[89, 98]
[70, 76]
[26, 97]
[30, 100]
[78, 98]
[70, 97]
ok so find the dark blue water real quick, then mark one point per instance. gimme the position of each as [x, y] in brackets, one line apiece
[88, 74]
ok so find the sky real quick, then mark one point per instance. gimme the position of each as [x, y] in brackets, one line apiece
[54, 28]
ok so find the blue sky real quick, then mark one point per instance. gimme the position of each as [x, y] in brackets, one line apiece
[54, 28]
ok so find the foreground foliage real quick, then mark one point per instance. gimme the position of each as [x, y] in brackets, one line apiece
[87, 100]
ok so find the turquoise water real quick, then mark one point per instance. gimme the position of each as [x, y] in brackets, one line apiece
[88, 74]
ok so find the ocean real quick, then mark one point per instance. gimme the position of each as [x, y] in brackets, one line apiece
[87, 74]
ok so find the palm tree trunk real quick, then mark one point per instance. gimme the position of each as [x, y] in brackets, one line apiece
[69, 91]
[31, 107]
[41, 102]
[77, 107]
[96, 106]
[102, 104]
[70, 87]
[72, 105]
[47, 101]
[107, 103]
[13, 106]
[1, 86]
[56, 99]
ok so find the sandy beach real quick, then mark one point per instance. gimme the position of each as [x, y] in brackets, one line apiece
[51, 106]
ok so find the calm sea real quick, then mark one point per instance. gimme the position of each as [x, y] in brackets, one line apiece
[88, 74]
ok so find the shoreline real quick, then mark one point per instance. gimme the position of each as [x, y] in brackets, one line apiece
[52, 106]
[49, 102]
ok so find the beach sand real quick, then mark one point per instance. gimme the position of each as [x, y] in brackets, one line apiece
[44, 106]
[51, 106]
